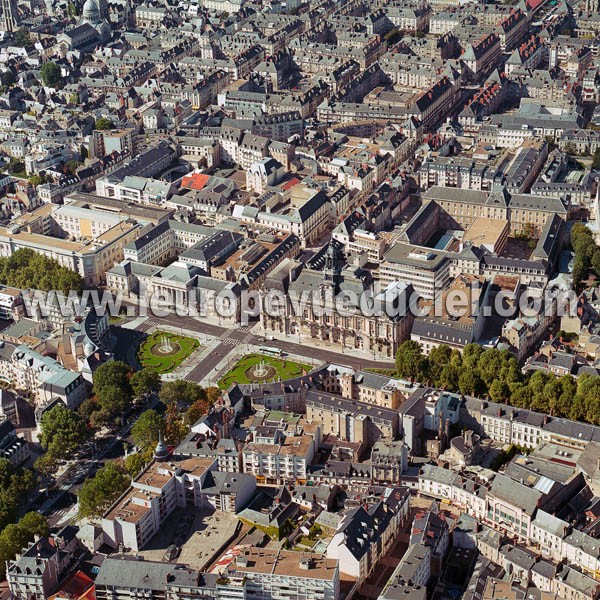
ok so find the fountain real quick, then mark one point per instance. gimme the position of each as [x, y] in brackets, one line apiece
[165, 345]
[260, 370]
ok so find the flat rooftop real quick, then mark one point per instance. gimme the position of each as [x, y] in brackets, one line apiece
[486, 231]
[285, 563]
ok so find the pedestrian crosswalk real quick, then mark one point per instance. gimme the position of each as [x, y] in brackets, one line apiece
[246, 328]
[230, 342]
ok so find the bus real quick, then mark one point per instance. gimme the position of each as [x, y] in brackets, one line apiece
[270, 351]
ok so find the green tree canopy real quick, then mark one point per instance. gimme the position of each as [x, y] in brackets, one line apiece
[98, 494]
[35, 524]
[410, 362]
[195, 411]
[146, 429]
[50, 74]
[103, 124]
[15, 484]
[8, 78]
[114, 373]
[27, 269]
[181, 391]
[113, 402]
[62, 430]
[596, 160]
[135, 462]
[22, 38]
[144, 382]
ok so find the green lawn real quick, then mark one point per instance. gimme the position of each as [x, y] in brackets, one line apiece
[182, 345]
[285, 369]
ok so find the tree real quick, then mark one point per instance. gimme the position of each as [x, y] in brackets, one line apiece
[175, 428]
[98, 494]
[35, 524]
[470, 355]
[16, 167]
[36, 180]
[579, 271]
[520, 395]
[449, 377]
[135, 462]
[71, 166]
[22, 38]
[8, 78]
[113, 402]
[103, 124]
[62, 430]
[46, 465]
[144, 382]
[50, 74]
[595, 262]
[15, 484]
[146, 429]
[181, 391]
[596, 160]
[195, 412]
[113, 373]
[410, 362]
[28, 269]
[212, 395]
[438, 358]
[469, 383]
[499, 391]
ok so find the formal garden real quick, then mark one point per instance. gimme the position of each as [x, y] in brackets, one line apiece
[164, 351]
[258, 368]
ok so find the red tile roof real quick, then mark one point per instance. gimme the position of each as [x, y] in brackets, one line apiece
[195, 181]
[290, 184]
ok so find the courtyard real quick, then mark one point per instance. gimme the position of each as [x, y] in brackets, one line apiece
[164, 351]
[199, 534]
[257, 368]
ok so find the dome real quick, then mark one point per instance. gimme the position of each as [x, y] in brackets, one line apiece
[161, 452]
[91, 11]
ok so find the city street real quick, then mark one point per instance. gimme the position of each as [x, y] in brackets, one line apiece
[231, 338]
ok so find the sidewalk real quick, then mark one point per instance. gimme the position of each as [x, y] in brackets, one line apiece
[187, 366]
[304, 340]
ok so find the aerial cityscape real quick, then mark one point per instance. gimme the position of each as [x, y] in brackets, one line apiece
[300, 300]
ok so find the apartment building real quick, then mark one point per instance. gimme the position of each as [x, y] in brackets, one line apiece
[425, 269]
[436, 102]
[351, 420]
[482, 56]
[163, 486]
[368, 387]
[38, 570]
[287, 461]
[257, 572]
[263, 574]
[106, 142]
[12, 448]
[41, 376]
[512, 28]
[365, 534]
